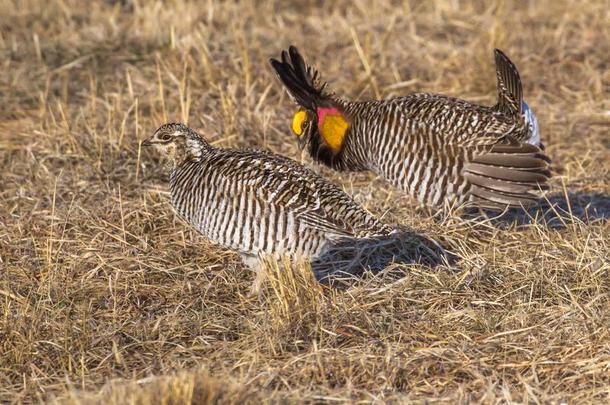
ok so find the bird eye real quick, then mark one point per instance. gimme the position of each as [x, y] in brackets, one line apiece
[298, 121]
[165, 137]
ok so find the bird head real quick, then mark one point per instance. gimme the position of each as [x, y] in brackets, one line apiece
[304, 126]
[325, 128]
[177, 142]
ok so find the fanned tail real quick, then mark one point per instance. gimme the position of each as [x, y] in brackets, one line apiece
[508, 175]
[301, 81]
[510, 90]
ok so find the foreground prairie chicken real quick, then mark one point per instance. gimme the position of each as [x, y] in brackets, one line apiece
[440, 150]
[256, 202]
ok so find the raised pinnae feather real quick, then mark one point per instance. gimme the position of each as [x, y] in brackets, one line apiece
[292, 84]
[301, 81]
[510, 89]
[299, 66]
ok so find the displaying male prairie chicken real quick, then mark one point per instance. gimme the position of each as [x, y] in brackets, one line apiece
[256, 202]
[440, 150]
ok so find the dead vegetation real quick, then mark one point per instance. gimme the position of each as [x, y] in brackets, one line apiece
[106, 297]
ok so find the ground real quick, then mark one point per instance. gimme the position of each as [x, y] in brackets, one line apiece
[107, 297]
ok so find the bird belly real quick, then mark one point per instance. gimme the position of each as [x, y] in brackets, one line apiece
[240, 221]
[426, 171]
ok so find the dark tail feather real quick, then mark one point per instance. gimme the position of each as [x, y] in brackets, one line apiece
[508, 175]
[299, 79]
[510, 90]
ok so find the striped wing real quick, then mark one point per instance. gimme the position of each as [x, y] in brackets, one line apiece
[508, 174]
[315, 202]
[440, 148]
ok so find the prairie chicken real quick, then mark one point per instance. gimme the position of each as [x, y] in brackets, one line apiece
[438, 149]
[256, 202]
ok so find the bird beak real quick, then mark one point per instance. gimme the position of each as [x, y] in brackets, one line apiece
[146, 142]
[302, 142]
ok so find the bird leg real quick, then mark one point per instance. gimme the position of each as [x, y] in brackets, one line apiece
[254, 263]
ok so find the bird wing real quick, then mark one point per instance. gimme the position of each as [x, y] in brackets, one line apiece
[281, 182]
[509, 173]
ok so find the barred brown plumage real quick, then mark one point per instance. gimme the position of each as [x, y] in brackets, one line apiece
[256, 202]
[440, 150]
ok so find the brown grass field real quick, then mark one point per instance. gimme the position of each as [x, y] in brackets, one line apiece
[106, 297]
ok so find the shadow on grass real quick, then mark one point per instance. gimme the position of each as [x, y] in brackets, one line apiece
[556, 211]
[350, 258]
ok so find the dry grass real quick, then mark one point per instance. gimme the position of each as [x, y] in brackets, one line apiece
[105, 297]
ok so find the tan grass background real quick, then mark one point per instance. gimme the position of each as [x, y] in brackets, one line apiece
[106, 297]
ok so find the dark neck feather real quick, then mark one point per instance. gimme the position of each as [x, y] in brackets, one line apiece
[344, 160]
